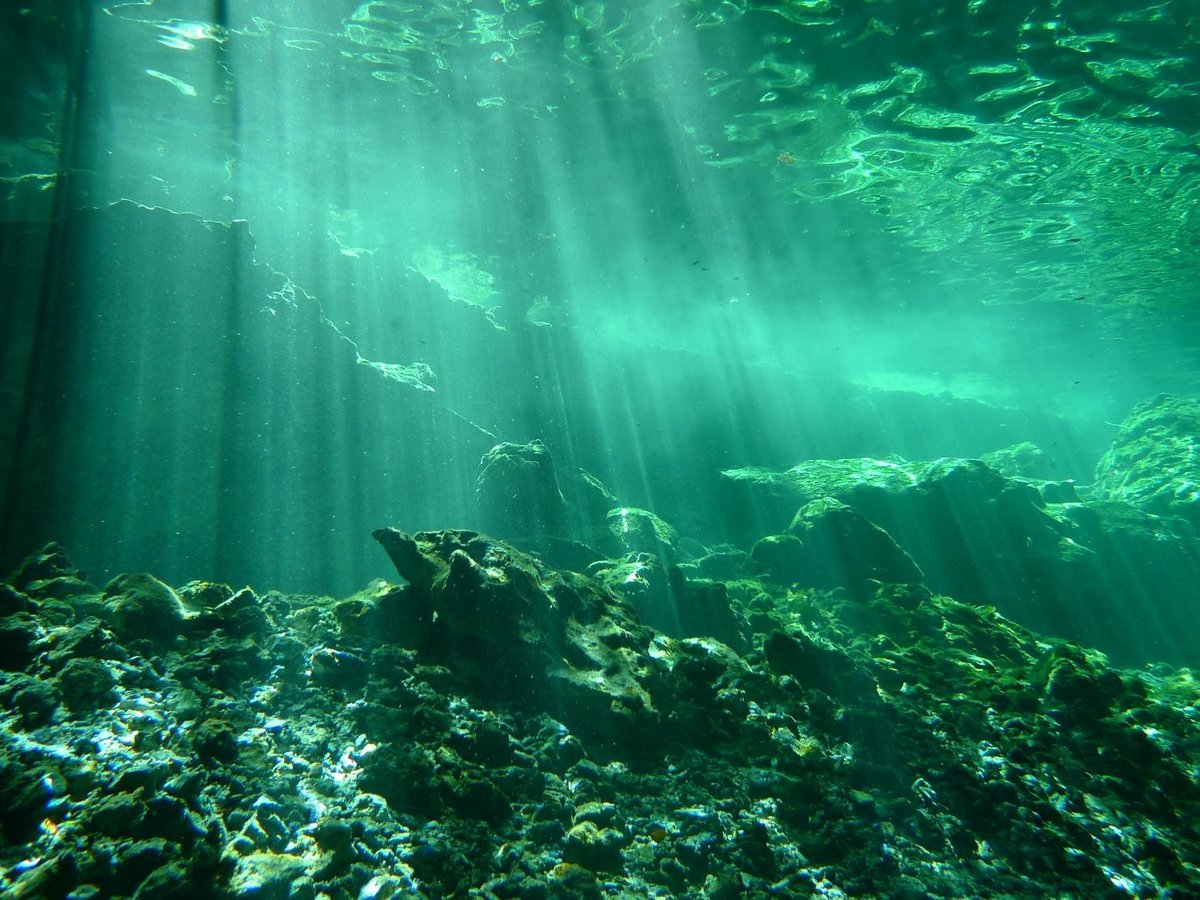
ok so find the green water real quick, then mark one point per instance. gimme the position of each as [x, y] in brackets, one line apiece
[599, 448]
[354, 246]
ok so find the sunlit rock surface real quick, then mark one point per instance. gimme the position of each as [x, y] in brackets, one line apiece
[493, 725]
[1154, 460]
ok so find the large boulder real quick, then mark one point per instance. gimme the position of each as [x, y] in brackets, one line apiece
[1153, 461]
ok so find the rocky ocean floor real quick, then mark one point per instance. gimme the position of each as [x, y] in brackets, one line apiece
[496, 728]
[644, 716]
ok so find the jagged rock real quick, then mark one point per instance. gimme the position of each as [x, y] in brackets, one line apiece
[13, 601]
[838, 478]
[330, 667]
[594, 847]
[49, 574]
[215, 741]
[870, 745]
[705, 610]
[781, 556]
[1153, 461]
[88, 638]
[589, 496]
[242, 614]
[224, 662]
[518, 492]
[508, 628]
[813, 665]
[724, 563]
[266, 876]
[374, 615]
[203, 595]
[972, 532]
[36, 701]
[25, 791]
[49, 563]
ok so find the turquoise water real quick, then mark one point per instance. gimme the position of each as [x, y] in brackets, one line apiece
[667, 238]
[842, 341]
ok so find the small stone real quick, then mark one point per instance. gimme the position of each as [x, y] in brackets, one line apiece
[267, 876]
[338, 668]
[598, 849]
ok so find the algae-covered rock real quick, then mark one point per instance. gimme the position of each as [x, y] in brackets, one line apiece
[779, 556]
[970, 531]
[1153, 461]
[142, 607]
[508, 628]
[330, 667]
[814, 665]
[838, 478]
[535, 740]
[19, 635]
[1024, 459]
[669, 601]
[268, 876]
[50, 574]
[595, 847]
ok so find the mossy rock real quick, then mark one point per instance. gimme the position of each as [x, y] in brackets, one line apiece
[1153, 461]
[142, 607]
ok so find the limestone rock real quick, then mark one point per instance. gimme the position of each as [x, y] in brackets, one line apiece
[507, 628]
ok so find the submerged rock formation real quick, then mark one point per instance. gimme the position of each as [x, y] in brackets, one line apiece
[518, 492]
[1154, 460]
[1052, 555]
[497, 727]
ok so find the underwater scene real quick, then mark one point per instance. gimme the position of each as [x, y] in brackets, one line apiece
[599, 448]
